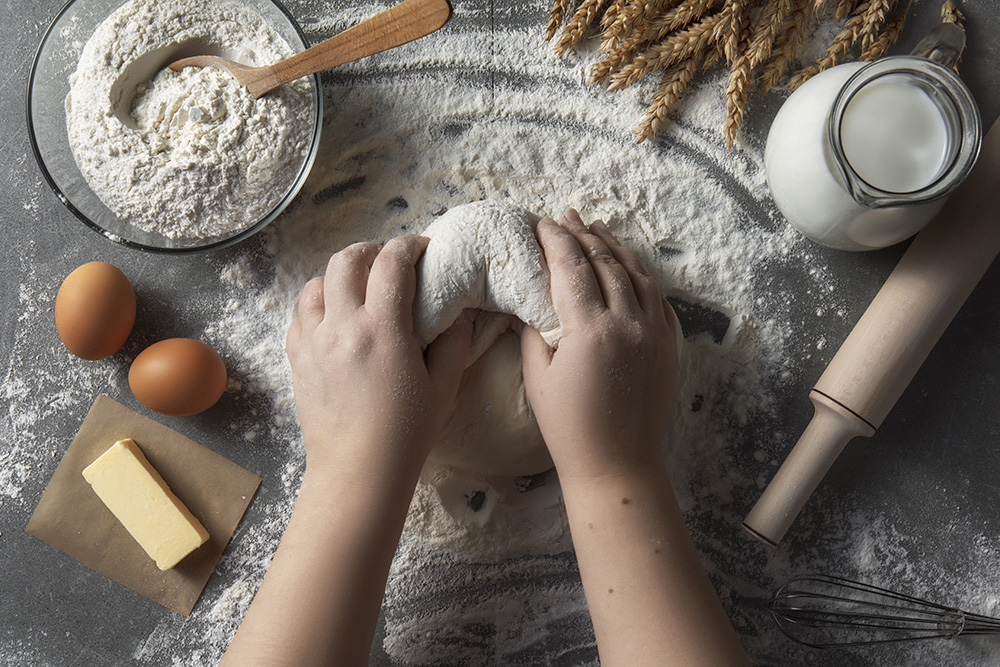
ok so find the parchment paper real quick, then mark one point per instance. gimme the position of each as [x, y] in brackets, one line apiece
[73, 519]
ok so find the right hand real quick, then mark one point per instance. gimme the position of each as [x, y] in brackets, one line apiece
[604, 399]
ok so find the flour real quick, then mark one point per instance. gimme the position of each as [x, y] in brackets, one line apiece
[205, 159]
[484, 573]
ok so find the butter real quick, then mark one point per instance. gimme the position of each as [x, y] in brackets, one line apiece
[137, 495]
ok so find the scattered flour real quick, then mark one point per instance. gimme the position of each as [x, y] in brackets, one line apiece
[473, 114]
[204, 158]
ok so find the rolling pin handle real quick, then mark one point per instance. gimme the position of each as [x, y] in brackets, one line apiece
[831, 428]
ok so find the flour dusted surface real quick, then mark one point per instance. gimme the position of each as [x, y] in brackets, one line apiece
[205, 159]
[477, 113]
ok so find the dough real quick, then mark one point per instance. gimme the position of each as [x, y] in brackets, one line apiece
[492, 430]
[484, 255]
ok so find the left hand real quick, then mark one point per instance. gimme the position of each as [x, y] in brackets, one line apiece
[366, 395]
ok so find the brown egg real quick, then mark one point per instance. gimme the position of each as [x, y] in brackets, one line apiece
[95, 310]
[178, 377]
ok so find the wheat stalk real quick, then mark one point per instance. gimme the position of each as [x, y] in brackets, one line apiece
[675, 82]
[687, 43]
[577, 27]
[872, 21]
[952, 14]
[888, 37]
[845, 8]
[758, 38]
[613, 25]
[556, 16]
[788, 45]
[844, 40]
[680, 16]
[634, 18]
[769, 23]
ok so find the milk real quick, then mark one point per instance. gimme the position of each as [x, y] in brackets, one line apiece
[894, 135]
[862, 155]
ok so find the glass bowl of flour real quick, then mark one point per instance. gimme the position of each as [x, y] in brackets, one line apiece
[169, 161]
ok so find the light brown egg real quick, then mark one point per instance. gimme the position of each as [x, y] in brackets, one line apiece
[95, 310]
[178, 377]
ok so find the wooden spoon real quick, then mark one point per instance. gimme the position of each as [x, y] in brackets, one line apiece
[407, 21]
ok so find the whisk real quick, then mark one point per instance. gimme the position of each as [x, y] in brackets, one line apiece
[824, 611]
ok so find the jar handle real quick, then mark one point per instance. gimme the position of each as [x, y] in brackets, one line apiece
[943, 45]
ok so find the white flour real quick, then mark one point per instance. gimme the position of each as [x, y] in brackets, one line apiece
[494, 582]
[205, 159]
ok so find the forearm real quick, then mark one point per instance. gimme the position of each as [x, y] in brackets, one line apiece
[320, 599]
[650, 599]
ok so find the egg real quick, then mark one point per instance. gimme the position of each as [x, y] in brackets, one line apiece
[178, 377]
[95, 310]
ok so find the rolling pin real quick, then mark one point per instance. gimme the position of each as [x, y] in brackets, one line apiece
[891, 340]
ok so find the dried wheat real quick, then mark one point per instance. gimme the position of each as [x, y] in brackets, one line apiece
[675, 82]
[844, 40]
[872, 21]
[612, 25]
[556, 16]
[766, 28]
[888, 37]
[687, 43]
[633, 21]
[952, 14]
[844, 9]
[788, 45]
[578, 26]
[733, 27]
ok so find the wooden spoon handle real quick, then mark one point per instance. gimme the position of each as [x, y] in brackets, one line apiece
[407, 21]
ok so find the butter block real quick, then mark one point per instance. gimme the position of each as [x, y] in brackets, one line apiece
[137, 495]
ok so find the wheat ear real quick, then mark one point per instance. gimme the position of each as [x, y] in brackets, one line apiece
[952, 14]
[872, 21]
[844, 40]
[888, 37]
[677, 47]
[577, 27]
[796, 27]
[556, 16]
[675, 82]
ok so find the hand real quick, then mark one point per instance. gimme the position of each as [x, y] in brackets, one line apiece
[604, 398]
[366, 395]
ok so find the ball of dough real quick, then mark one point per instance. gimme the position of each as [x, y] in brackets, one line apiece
[484, 255]
[492, 430]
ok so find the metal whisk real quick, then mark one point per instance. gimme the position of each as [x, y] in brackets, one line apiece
[824, 611]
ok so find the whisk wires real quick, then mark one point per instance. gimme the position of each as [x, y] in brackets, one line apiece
[825, 611]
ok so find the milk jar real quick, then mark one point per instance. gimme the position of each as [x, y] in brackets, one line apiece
[862, 155]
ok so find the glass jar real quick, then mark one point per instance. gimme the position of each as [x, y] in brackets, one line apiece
[863, 155]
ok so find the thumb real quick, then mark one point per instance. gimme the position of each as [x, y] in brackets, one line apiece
[536, 354]
[447, 354]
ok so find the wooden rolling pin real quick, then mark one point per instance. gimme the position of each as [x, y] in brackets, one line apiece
[891, 340]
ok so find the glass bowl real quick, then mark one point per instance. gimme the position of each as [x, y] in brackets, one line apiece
[48, 85]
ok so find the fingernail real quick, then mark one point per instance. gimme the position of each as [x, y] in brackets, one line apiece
[599, 227]
[573, 216]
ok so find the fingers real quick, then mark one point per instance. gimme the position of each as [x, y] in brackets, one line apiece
[392, 282]
[645, 287]
[575, 290]
[312, 303]
[614, 279]
[347, 278]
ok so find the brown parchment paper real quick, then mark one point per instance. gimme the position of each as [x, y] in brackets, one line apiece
[73, 519]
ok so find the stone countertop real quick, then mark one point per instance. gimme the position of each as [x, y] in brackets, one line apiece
[931, 465]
